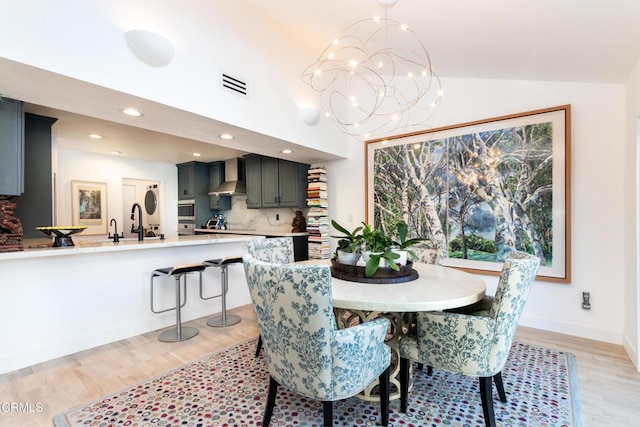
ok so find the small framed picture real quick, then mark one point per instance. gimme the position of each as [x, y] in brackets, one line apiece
[89, 206]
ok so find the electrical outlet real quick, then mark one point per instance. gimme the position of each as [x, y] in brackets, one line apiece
[586, 300]
[277, 217]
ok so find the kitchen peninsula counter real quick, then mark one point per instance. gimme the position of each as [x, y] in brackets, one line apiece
[60, 301]
[266, 233]
[107, 245]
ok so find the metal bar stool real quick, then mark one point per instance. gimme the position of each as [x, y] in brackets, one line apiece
[178, 333]
[223, 319]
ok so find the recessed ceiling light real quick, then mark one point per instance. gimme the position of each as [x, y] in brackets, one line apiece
[226, 136]
[197, 154]
[95, 136]
[132, 112]
[115, 152]
[286, 151]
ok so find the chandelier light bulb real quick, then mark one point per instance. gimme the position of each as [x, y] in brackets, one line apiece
[388, 68]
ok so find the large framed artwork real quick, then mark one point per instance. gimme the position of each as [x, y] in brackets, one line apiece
[89, 206]
[477, 191]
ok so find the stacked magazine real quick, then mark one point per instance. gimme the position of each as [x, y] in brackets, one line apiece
[318, 215]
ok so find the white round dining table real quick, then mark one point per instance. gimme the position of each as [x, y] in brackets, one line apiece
[436, 288]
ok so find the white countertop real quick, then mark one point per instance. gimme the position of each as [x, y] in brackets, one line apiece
[107, 245]
[269, 233]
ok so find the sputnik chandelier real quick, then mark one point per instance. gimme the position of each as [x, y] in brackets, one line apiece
[376, 78]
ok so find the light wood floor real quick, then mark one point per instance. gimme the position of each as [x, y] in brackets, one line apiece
[609, 384]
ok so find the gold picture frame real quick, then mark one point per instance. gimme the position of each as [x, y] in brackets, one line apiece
[480, 189]
[89, 206]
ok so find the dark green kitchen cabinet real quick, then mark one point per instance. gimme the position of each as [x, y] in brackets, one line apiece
[216, 177]
[270, 183]
[193, 184]
[11, 147]
[276, 183]
[253, 177]
[35, 205]
[186, 181]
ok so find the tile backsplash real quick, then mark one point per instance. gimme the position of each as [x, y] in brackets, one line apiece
[271, 219]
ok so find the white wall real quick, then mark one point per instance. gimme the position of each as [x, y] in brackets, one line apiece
[630, 248]
[598, 202]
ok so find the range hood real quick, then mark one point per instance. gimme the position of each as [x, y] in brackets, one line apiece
[233, 179]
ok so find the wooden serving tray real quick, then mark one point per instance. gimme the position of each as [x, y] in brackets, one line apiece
[355, 273]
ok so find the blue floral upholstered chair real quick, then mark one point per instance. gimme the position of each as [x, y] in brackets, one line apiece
[278, 250]
[303, 349]
[474, 345]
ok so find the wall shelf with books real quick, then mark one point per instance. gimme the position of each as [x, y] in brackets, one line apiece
[318, 215]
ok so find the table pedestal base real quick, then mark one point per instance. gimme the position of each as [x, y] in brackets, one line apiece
[398, 324]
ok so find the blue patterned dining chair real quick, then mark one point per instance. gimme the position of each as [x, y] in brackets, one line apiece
[473, 345]
[303, 348]
[429, 252]
[278, 250]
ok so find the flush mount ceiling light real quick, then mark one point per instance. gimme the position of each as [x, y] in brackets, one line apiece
[376, 78]
[132, 112]
[150, 47]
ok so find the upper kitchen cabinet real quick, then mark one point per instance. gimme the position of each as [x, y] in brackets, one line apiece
[253, 177]
[11, 147]
[216, 177]
[279, 183]
[187, 180]
[193, 180]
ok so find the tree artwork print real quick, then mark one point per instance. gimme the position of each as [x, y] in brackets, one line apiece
[476, 193]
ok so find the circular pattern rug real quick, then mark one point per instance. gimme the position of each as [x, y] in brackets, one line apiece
[229, 389]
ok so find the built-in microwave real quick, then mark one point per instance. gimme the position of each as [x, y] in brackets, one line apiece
[186, 210]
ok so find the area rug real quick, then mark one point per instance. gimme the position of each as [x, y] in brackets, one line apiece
[229, 389]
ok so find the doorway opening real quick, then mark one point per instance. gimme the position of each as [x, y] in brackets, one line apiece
[146, 193]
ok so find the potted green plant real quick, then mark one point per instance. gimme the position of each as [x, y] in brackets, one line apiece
[348, 245]
[400, 246]
[378, 251]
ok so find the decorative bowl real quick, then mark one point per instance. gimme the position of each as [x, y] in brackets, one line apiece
[62, 234]
[355, 273]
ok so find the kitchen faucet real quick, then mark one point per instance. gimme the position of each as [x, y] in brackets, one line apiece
[116, 237]
[138, 230]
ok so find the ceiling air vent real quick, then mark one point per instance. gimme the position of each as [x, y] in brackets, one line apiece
[234, 85]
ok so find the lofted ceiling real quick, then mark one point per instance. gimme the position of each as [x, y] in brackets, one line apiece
[547, 40]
